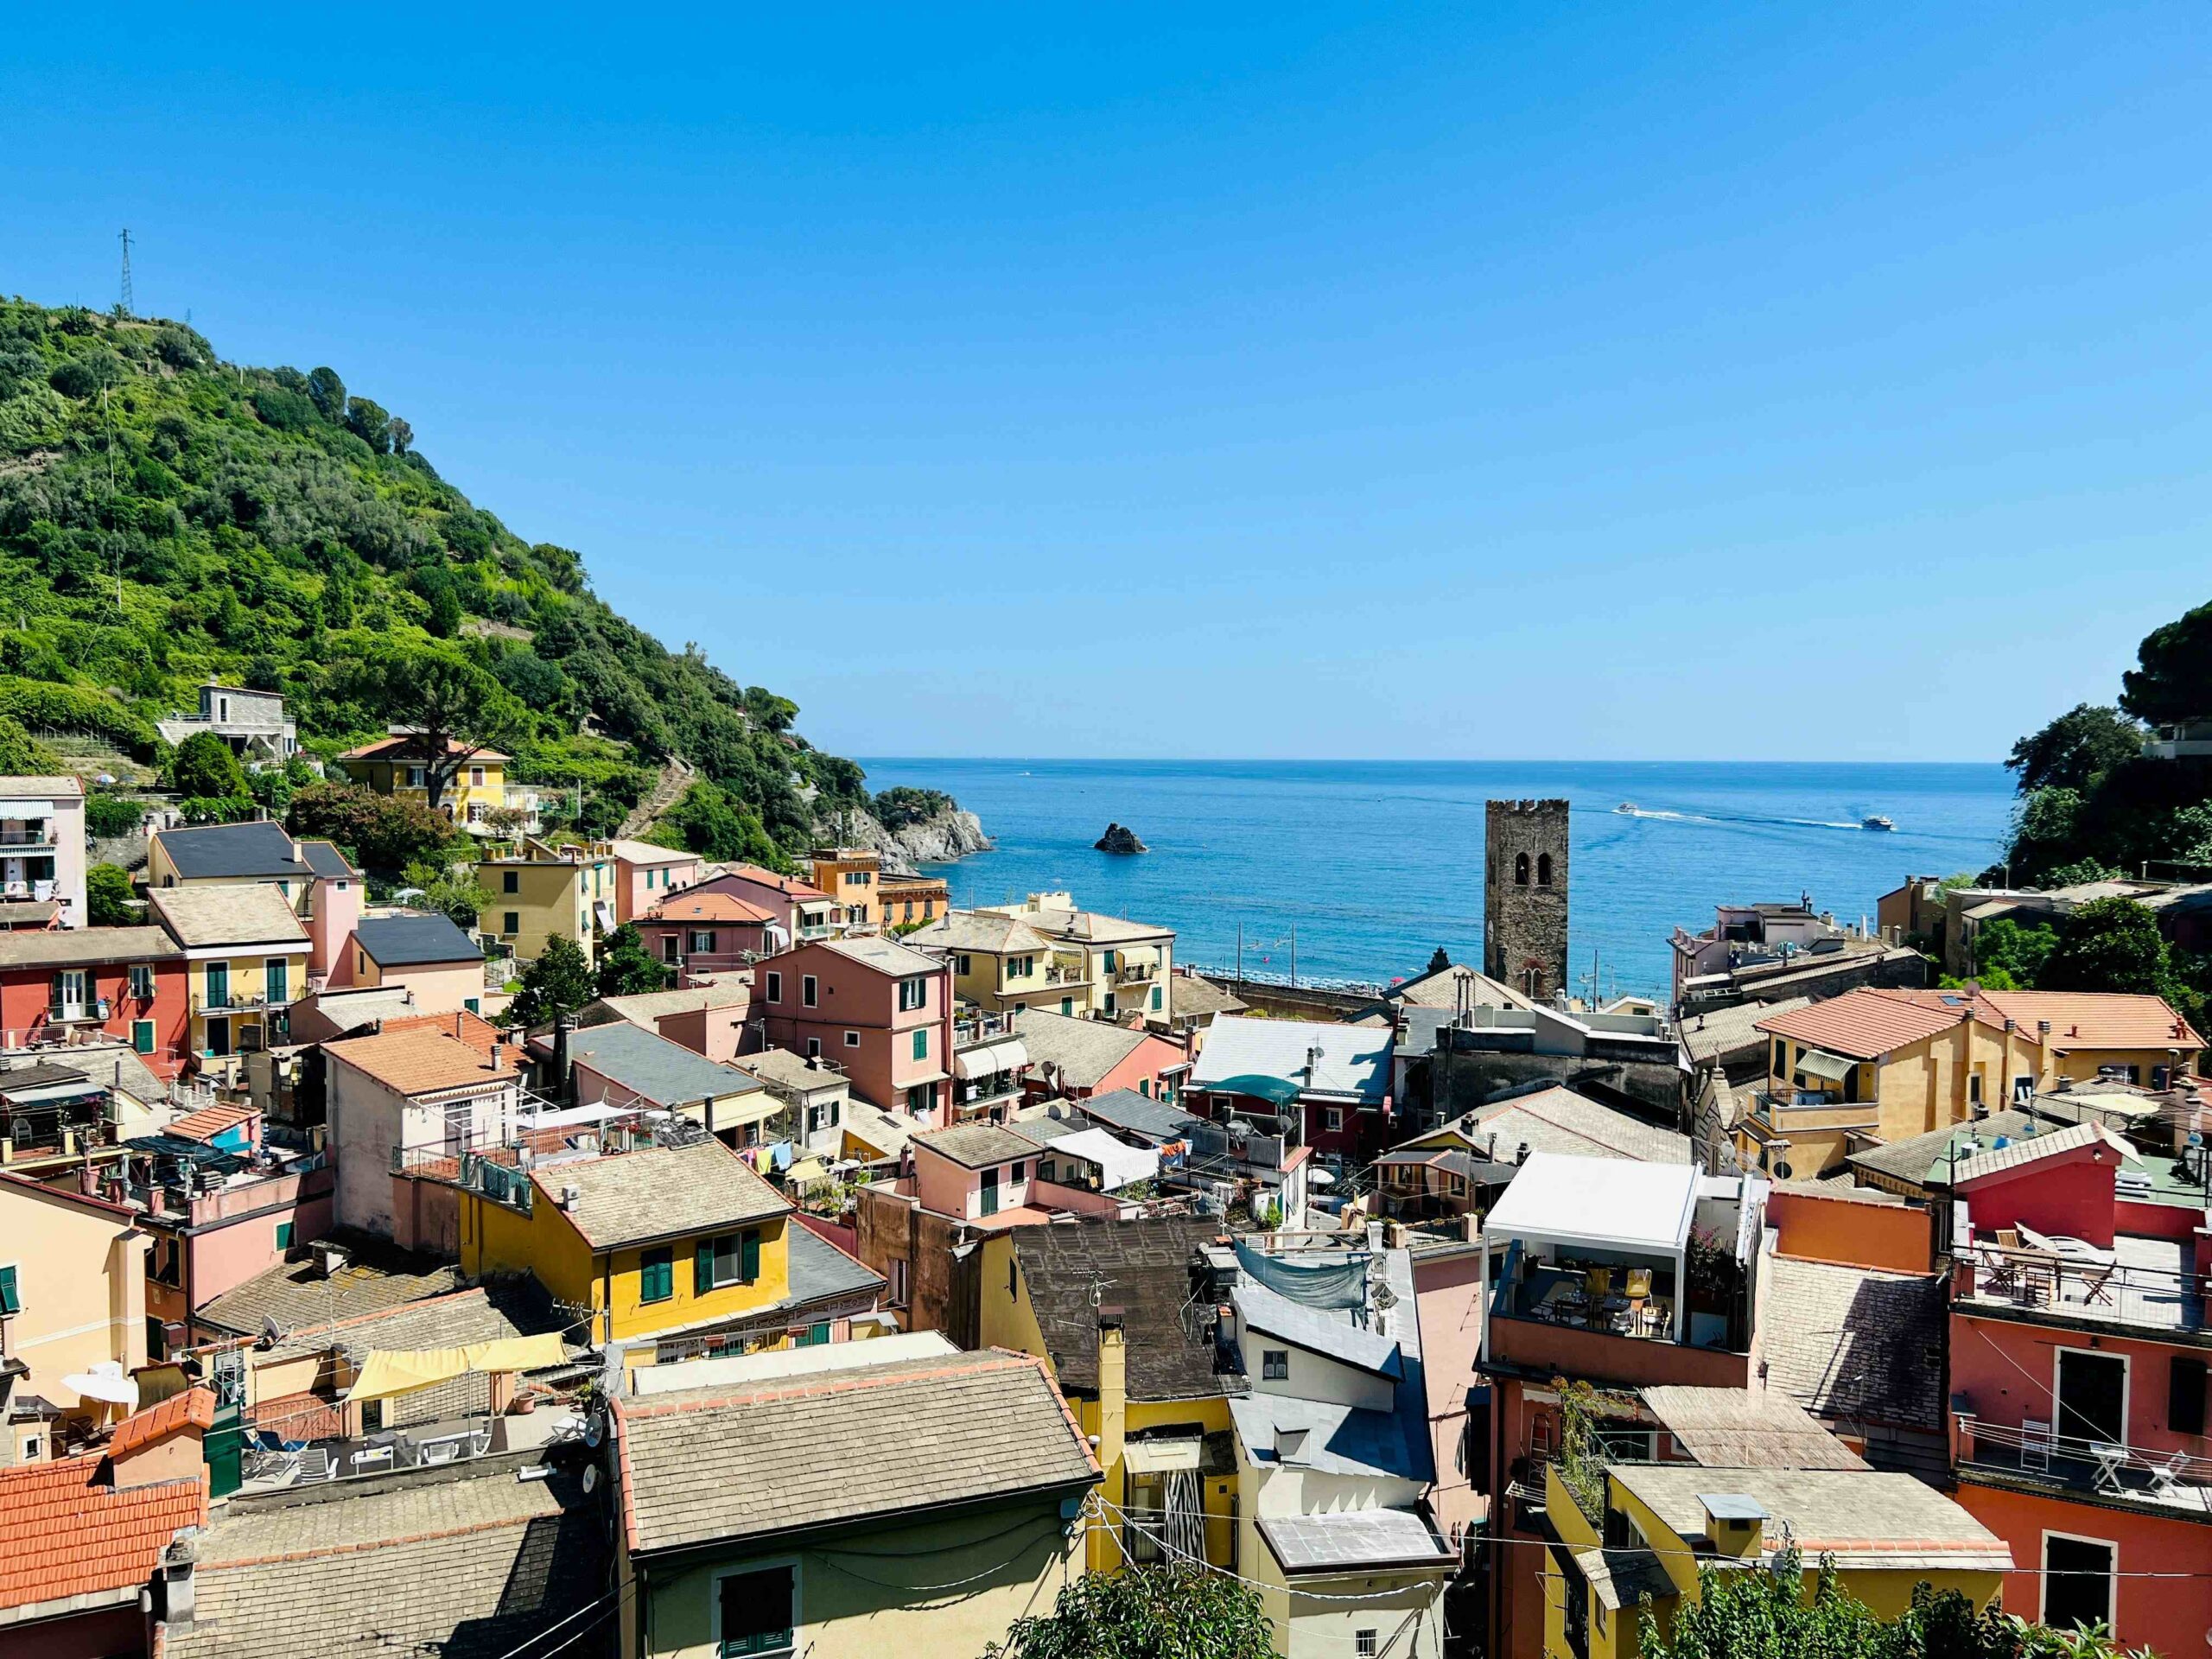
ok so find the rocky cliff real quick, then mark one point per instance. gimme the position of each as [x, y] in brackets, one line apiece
[949, 833]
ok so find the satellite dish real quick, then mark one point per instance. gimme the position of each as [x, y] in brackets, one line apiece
[592, 1434]
[271, 1332]
[591, 1477]
[1782, 1170]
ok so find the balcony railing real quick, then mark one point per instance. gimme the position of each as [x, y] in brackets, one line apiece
[45, 837]
[981, 1028]
[2173, 1479]
[2123, 1292]
[1136, 973]
[239, 1002]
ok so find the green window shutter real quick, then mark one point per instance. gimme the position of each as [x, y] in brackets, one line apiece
[11, 1300]
[922, 1044]
[142, 1036]
[703, 1268]
[1156, 999]
[749, 1258]
[656, 1276]
[1067, 1005]
[284, 1234]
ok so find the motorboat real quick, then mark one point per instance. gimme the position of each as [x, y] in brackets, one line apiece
[1628, 809]
[1876, 822]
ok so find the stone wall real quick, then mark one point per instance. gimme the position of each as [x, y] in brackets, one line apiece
[1525, 913]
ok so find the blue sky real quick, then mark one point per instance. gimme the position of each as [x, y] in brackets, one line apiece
[1458, 381]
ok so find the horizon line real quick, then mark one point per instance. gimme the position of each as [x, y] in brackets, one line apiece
[1407, 761]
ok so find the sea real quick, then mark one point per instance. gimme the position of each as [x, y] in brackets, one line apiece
[1355, 871]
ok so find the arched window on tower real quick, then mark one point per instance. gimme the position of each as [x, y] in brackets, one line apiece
[1521, 869]
[1543, 869]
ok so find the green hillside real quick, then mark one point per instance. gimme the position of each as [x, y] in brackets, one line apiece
[272, 528]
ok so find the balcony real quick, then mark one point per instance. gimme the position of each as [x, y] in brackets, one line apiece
[40, 836]
[2140, 1281]
[2034, 1456]
[238, 1003]
[1136, 973]
[971, 1029]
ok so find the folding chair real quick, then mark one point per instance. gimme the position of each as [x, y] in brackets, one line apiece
[2037, 1440]
[2166, 1478]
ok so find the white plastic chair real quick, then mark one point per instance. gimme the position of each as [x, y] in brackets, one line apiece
[371, 1457]
[2165, 1476]
[440, 1452]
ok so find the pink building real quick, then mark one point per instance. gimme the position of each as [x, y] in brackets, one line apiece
[440, 967]
[804, 912]
[878, 1010]
[707, 1018]
[644, 874]
[709, 932]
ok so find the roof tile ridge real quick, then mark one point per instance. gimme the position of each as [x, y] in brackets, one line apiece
[386, 1312]
[816, 1390]
[362, 1546]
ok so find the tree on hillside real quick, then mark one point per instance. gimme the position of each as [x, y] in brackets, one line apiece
[459, 709]
[107, 897]
[204, 766]
[1145, 1612]
[383, 832]
[709, 821]
[329, 392]
[2077, 749]
[2111, 944]
[22, 755]
[2172, 678]
[560, 981]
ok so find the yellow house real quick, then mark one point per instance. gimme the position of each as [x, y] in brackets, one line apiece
[1663, 1522]
[1001, 963]
[399, 764]
[246, 959]
[877, 1498]
[848, 874]
[1135, 1375]
[664, 1242]
[73, 1296]
[543, 892]
[1124, 965]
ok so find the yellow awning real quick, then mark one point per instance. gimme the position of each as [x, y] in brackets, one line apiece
[389, 1371]
[807, 1171]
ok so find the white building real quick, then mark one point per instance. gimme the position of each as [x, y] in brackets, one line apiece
[41, 852]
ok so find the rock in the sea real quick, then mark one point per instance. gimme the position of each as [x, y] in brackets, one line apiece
[1119, 839]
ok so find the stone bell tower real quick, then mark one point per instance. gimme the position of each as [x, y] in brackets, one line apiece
[1524, 896]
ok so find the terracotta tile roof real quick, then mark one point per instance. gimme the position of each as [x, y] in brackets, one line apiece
[413, 746]
[1866, 1024]
[71, 1535]
[707, 907]
[2016, 1154]
[473, 1029]
[210, 1121]
[422, 1061]
[2088, 1020]
[790, 885]
[193, 1408]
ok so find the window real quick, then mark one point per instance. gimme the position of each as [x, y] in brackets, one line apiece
[414, 777]
[2077, 1580]
[1019, 1173]
[284, 1234]
[775, 988]
[1332, 1117]
[1067, 1005]
[476, 777]
[1781, 1058]
[512, 923]
[702, 940]
[1108, 959]
[2092, 1393]
[1274, 1365]
[753, 1613]
[899, 1281]
[142, 1036]
[1543, 869]
[274, 980]
[814, 1048]
[813, 1336]
[1156, 999]
[809, 992]
[921, 1099]
[912, 994]
[852, 1040]
[142, 982]
[510, 880]
[961, 964]
[1111, 1010]
[473, 1004]
[1521, 869]
[1363, 1643]
[733, 1259]
[11, 1295]
[2185, 1395]
[656, 1275]
[922, 1044]
[218, 984]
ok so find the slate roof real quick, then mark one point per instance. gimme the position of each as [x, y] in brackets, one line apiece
[1862, 1517]
[1139, 1114]
[1349, 1540]
[976, 1146]
[636, 1198]
[1090, 927]
[648, 1006]
[412, 941]
[377, 1276]
[1192, 995]
[470, 1563]
[745, 1460]
[1261, 1309]
[86, 947]
[644, 852]
[1355, 1060]
[1146, 1266]
[1083, 1051]
[780, 1068]
[1924, 1159]
[978, 929]
[249, 913]
[1559, 1120]
[1722, 1032]
[820, 1271]
[487, 1313]
[1853, 1342]
[649, 1065]
[70, 1535]
[1441, 990]
[326, 860]
[421, 1060]
[237, 852]
[884, 956]
[1745, 1428]
[1340, 1439]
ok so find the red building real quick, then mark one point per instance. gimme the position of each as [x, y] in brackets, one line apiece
[2079, 1345]
[58, 986]
[879, 1010]
[706, 932]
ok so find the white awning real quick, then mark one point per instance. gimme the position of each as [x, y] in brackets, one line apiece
[1813, 1063]
[1118, 1164]
[1162, 1457]
[988, 1061]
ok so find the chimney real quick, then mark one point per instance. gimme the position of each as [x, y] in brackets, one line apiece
[563, 1025]
[1113, 1387]
[88, 1180]
[1290, 1445]
[1734, 1524]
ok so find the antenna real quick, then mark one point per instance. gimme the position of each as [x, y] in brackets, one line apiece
[126, 273]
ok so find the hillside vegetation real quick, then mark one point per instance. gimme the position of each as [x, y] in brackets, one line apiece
[165, 516]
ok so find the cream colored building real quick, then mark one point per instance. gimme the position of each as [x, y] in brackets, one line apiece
[1000, 961]
[745, 1533]
[543, 892]
[1123, 965]
[73, 1295]
[246, 958]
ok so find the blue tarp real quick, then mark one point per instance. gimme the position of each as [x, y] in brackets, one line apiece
[1315, 1284]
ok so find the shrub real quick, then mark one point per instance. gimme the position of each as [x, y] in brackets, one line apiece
[106, 816]
[381, 832]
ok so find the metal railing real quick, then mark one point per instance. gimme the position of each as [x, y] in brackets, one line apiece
[1136, 973]
[2088, 1461]
[2089, 1289]
[46, 837]
[981, 1028]
[239, 1002]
